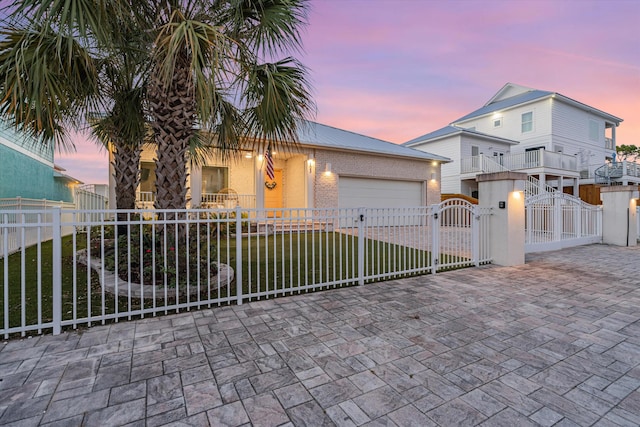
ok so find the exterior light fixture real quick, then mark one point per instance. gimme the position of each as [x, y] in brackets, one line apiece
[327, 169]
[433, 176]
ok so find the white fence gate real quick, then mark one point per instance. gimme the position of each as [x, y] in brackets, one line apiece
[557, 220]
[123, 264]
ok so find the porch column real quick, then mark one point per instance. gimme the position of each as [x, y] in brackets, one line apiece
[259, 179]
[619, 216]
[561, 184]
[613, 137]
[310, 176]
[543, 180]
[576, 187]
[503, 192]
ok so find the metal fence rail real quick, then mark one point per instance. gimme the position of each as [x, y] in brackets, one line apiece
[89, 266]
[557, 220]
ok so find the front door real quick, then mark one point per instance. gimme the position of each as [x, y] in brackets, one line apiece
[273, 192]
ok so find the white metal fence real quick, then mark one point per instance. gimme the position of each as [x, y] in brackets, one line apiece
[24, 210]
[557, 220]
[123, 264]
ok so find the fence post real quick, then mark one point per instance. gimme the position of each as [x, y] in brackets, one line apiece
[503, 192]
[619, 210]
[578, 219]
[56, 269]
[238, 256]
[435, 238]
[558, 217]
[361, 246]
[475, 234]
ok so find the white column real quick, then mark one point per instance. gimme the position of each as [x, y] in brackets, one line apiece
[310, 176]
[259, 177]
[619, 216]
[503, 192]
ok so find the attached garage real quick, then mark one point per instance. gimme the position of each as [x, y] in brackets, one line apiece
[379, 193]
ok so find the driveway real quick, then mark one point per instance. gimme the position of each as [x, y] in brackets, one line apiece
[552, 342]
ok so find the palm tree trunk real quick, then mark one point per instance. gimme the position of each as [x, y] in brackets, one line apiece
[126, 165]
[173, 113]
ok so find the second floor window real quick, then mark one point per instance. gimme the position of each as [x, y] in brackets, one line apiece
[527, 122]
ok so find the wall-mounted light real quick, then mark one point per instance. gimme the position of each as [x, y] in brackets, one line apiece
[434, 177]
[311, 163]
[248, 156]
[327, 169]
[260, 157]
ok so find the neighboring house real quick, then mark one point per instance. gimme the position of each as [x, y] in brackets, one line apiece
[557, 141]
[27, 169]
[329, 168]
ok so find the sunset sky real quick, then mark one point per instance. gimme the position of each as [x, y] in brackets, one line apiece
[397, 69]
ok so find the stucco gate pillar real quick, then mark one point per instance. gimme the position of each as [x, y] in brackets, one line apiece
[504, 193]
[619, 216]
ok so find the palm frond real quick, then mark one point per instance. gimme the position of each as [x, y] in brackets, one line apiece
[46, 79]
[268, 25]
[279, 100]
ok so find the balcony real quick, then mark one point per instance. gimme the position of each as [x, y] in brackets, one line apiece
[624, 172]
[519, 162]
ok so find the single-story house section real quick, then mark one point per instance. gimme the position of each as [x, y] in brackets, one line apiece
[329, 168]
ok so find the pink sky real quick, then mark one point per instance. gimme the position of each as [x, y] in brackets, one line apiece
[397, 69]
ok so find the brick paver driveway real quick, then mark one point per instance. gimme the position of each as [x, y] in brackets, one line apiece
[552, 342]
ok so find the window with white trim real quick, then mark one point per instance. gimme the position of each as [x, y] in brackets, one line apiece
[214, 179]
[527, 122]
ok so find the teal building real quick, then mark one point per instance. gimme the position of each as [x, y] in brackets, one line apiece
[27, 169]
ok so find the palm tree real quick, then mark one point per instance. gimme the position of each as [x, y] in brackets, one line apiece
[207, 74]
[60, 65]
[196, 66]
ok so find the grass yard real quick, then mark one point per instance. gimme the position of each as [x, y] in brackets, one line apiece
[275, 265]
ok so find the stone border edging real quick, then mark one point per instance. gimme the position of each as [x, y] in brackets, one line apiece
[223, 277]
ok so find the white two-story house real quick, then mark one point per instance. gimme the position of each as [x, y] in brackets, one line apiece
[558, 141]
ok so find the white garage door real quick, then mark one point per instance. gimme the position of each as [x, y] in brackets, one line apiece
[378, 193]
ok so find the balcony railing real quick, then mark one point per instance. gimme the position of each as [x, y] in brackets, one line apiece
[609, 144]
[519, 161]
[626, 168]
[227, 200]
[145, 200]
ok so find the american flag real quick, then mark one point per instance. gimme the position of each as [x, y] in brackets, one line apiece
[269, 168]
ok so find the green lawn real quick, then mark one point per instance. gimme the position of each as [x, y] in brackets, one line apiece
[269, 265]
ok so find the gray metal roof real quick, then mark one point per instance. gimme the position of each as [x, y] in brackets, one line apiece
[529, 96]
[453, 130]
[323, 136]
[506, 103]
[447, 130]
